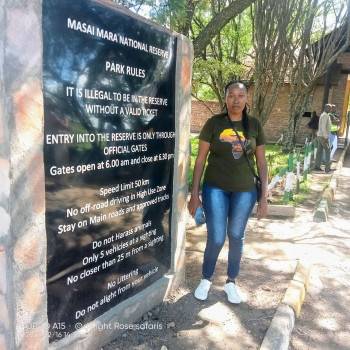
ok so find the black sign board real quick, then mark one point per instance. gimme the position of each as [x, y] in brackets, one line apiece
[109, 83]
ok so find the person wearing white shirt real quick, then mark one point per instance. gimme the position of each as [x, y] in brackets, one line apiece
[324, 129]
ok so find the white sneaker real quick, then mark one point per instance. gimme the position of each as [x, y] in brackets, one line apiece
[234, 295]
[202, 290]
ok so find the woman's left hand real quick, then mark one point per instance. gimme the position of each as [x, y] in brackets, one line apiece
[261, 211]
[262, 208]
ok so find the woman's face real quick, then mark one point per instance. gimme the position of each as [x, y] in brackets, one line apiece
[236, 99]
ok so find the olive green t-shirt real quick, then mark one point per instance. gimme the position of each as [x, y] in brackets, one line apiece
[227, 166]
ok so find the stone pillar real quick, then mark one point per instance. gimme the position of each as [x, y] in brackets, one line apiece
[5, 339]
[23, 297]
[183, 156]
[24, 243]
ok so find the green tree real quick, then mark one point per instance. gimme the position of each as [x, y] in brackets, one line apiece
[178, 16]
[221, 34]
[224, 58]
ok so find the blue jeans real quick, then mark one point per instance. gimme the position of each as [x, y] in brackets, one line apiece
[226, 213]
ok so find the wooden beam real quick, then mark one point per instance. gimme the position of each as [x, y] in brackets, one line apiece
[345, 108]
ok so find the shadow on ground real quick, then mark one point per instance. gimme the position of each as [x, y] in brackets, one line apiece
[324, 322]
[213, 324]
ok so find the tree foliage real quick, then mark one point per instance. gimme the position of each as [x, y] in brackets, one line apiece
[220, 31]
[224, 58]
[292, 41]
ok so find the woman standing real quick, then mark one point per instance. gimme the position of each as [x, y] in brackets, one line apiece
[229, 191]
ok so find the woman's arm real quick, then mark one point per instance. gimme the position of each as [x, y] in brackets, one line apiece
[262, 170]
[203, 151]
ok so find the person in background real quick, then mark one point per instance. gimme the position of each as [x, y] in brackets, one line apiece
[229, 192]
[323, 145]
[313, 124]
[333, 136]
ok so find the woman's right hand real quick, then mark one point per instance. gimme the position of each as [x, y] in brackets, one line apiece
[193, 204]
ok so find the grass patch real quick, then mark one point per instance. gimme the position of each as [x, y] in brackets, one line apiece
[194, 152]
[276, 159]
[304, 190]
[298, 198]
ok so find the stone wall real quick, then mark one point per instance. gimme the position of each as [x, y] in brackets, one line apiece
[201, 112]
[5, 320]
[25, 245]
[278, 121]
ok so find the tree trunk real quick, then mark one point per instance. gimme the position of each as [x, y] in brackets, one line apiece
[298, 102]
[217, 23]
[186, 25]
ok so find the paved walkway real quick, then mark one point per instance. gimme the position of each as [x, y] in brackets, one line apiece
[325, 318]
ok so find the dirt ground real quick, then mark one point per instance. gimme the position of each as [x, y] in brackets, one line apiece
[272, 248]
[187, 323]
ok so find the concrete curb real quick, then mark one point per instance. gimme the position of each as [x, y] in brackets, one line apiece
[278, 334]
[322, 207]
[279, 210]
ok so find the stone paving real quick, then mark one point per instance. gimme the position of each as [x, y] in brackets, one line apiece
[324, 322]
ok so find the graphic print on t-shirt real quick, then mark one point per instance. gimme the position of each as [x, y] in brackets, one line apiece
[228, 135]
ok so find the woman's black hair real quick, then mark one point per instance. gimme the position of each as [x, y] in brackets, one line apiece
[245, 116]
